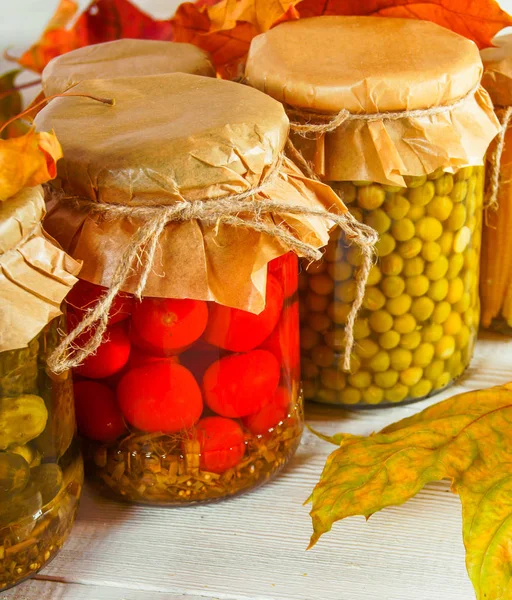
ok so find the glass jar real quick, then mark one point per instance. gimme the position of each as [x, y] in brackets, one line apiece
[416, 332]
[400, 129]
[194, 393]
[41, 471]
[496, 271]
[190, 401]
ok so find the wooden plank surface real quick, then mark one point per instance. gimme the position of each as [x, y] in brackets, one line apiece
[253, 547]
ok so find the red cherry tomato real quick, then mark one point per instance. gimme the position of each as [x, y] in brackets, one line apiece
[284, 341]
[241, 384]
[85, 295]
[286, 270]
[239, 330]
[222, 444]
[164, 325]
[97, 413]
[139, 358]
[270, 415]
[160, 396]
[111, 356]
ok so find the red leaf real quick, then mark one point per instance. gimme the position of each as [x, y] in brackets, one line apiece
[102, 21]
[478, 20]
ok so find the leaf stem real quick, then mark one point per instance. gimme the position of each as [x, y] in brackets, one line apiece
[109, 101]
[18, 88]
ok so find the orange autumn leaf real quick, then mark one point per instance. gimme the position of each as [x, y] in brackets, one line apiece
[228, 26]
[466, 439]
[262, 14]
[102, 21]
[26, 161]
[478, 20]
[227, 48]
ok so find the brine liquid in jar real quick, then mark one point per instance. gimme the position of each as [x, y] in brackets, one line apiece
[190, 401]
[41, 472]
[416, 331]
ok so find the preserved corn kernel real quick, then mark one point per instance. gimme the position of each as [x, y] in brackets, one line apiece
[417, 327]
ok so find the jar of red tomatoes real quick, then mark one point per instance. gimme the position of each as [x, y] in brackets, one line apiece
[178, 205]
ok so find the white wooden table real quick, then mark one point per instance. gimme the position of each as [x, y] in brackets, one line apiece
[253, 547]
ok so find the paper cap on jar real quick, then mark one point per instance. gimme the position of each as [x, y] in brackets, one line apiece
[35, 273]
[497, 79]
[124, 58]
[175, 139]
[373, 66]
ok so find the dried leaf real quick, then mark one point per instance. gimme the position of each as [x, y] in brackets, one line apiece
[26, 161]
[10, 105]
[467, 439]
[102, 21]
[227, 48]
[226, 28]
[478, 20]
[55, 40]
[262, 14]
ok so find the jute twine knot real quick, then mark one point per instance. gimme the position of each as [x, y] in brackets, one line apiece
[494, 180]
[318, 123]
[226, 210]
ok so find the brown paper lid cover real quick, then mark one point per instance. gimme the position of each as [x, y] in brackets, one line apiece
[369, 65]
[363, 64]
[497, 78]
[35, 273]
[124, 58]
[171, 138]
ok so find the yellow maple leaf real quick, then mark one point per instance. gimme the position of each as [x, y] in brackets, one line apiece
[26, 161]
[467, 439]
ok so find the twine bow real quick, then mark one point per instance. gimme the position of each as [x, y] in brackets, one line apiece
[144, 243]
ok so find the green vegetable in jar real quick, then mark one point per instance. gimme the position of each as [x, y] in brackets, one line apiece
[416, 330]
[21, 419]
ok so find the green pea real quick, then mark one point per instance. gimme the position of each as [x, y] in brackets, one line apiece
[410, 248]
[380, 362]
[444, 184]
[392, 286]
[422, 195]
[378, 220]
[417, 285]
[381, 321]
[403, 230]
[397, 206]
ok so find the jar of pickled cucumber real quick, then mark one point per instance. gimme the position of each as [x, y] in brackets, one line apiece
[399, 128]
[193, 395]
[41, 471]
[496, 259]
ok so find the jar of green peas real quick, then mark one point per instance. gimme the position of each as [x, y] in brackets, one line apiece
[399, 128]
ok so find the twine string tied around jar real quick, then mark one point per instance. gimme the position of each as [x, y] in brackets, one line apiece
[226, 210]
[308, 122]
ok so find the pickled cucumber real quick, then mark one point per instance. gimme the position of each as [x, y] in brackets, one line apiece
[48, 480]
[14, 474]
[21, 419]
[57, 393]
[31, 455]
[417, 329]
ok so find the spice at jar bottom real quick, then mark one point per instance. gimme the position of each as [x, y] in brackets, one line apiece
[187, 401]
[416, 332]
